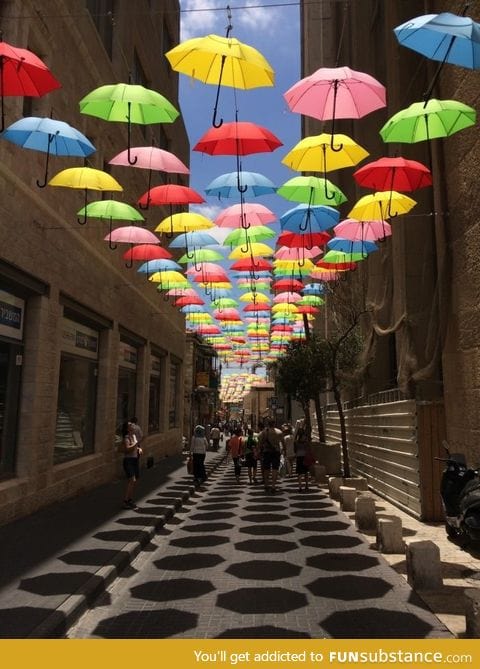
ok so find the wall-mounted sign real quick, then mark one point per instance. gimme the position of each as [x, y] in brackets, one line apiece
[202, 379]
[12, 311]
[79, 339]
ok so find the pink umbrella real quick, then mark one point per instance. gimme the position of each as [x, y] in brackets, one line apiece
[362, 231]
[337, 92]
[207, 273]
[296, 253]
[287, 297]
[244, 215]
[227, 315]
[182, 292]
[131, 234]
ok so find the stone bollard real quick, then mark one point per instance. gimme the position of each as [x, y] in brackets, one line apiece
[347, 498]
[357, 482]
[472, 613]
[424, 569]
[320, 473]
[389, 535]
[334, 483]
[365, 516]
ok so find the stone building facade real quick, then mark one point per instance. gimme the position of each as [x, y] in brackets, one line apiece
[421, 288]
[85, 343]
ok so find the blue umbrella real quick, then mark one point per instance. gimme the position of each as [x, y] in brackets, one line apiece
[313, 289]
[349, 246]
[158, 265]
[226, 184]
[192, 309]
[445, 37]
[304, 218]
[53, 137]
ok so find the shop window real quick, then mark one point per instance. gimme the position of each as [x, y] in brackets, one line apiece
[10, 371]
[127, 384]
[154, 396]
[174, 393]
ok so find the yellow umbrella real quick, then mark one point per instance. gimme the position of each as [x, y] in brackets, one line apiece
[324, 153]
[184, 222]
[305, 265]
[254, 297]
[199, 318]
[168, 276]
[381, 205]
[85, 178]
[285, 307]
[255, 249]
[221, 60]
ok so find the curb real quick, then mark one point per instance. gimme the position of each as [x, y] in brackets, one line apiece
[57, 623]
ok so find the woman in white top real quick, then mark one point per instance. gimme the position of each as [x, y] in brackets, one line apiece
[132, 452]
[198, 449]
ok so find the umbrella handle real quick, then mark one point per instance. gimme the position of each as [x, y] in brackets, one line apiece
[198, 266]
[45, 177]
[129, 127]
[165, 297]
[247, 242]
[84, 220]
[145, 207]
[334, 148]
[129, 264]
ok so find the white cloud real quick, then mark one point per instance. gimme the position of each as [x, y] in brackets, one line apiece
[200, 21]
[256, 18]
[210, 211]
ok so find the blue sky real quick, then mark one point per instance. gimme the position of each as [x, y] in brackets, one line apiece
[274, 31]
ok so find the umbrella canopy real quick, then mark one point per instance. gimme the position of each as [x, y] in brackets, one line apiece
[252, 234]
[393, 174]
[110, 210]
[170, 194]
[255, 249]
[444, 37]
[287, 284]
[296, 253]
[336, 92]
[128, 103]
[244, 215]
[195, 239]
[222, 302]
[151, 158]
[200, 255]
[253, 183]
[359, 231]
[309, 219]
[158, 265]
[311, 190]
[315, 153]
[237, 138]
[184, 222]
[23, 74]
[252, 264]
[350, 246]
[381, 205]
[132, 234]
[300, 240]
[146, 252]
[85, 177]
[259, 298]
[428, 120]
[186, 301]
[168, 276]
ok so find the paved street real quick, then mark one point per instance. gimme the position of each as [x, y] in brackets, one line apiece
[235, 562]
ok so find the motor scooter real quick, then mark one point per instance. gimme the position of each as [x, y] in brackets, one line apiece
[460, 492]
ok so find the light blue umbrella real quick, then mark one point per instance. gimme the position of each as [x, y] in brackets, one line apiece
[53, 137]
[226, 185]
[446, 37]
[192, 309]
[349, 246]
[313, 289]
[158, 265]
[304, 218]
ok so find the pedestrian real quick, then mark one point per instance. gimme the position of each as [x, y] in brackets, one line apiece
[301, 445]
[137, 429]
[236, 452]
[132, 452]
[198, 449]
[251, 456]
[289, 451]
[270, 442]
[215, 434]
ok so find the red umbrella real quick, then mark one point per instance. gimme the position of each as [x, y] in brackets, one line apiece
[307, 240]
[340, 265]
[249, 264]
[23, 73]
[287, 284]
[227, 315]
[257, 307]
[394, 174]
[185, 301]
[170, 194]
[146, 252]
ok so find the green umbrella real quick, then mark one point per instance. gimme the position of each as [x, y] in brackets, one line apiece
[310, 300]
[128, 103]
[224, 302]
[312, 190]
[428, 120]
[254, 233]
[201, 255]
[334, 257]
[110, 210]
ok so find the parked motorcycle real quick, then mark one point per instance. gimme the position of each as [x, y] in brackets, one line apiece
[460, 492]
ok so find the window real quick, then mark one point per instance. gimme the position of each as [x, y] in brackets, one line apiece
[174, 391]
[101, 12]
[77, 392]
[154, 396]
[127, 384]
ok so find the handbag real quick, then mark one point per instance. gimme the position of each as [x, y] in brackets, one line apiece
[190, 465]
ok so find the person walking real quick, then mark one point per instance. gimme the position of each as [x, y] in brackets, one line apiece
[289, 451]
[236, 451]
[215, 435]
[137, 430]
[251, 456]
[132, 452]
[301, 445]
[198, 449]
[270, 442]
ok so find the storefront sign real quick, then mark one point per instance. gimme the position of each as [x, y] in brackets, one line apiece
[79, 339]
[11, 315]
[202, 379]
[127, 355]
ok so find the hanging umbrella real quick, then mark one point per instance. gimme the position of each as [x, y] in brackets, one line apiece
[249, 264]
[303, 218]
[256, 250]
[252, 234]
[237, 138]
[349, 246]
[22, 73]
[168, 276]
[184, 222]
[132, 234]
[444, 37]
[128, 103]
[288, 296]
[146, 252]
[246, 215]
[334, 264]
[188, 301]
[296, 253]
[306, 240]
[227, 314]
[152, 158]
[313, 288]
[395, 173]
[169, 194]
[311, 190]
[201, 255]
[158, 265]
[85, 178]
[368, 231]
[287, 284]
[53, 137]
[259, 298]
[196, 239]
[379, 206]
[221, 60]
[222, 302]
[333, 257]
[110, 210]
[208, 272]
[336, 92]
[428, 120]
[254, 183]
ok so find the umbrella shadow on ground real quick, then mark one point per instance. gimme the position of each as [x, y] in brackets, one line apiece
[138, 521]
[172, 590]
[188, 561]
[213, 515]
[208, 527]
[96, 556]
[147, 624]
[263, 632]
[349, 587]
[269, 546]
[265, 507]
[375, 623]
[342, 562]
[323, 526]
[199, 542]
[315, 513]
[18, 623]
[262, 600]
[123, 536]
[331, 541]
[69, 583]
[312, 505]
[264, 570]
[264, 518]
[216, 507]
[266, 529]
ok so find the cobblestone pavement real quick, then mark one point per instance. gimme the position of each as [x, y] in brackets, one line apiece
[237, 562]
